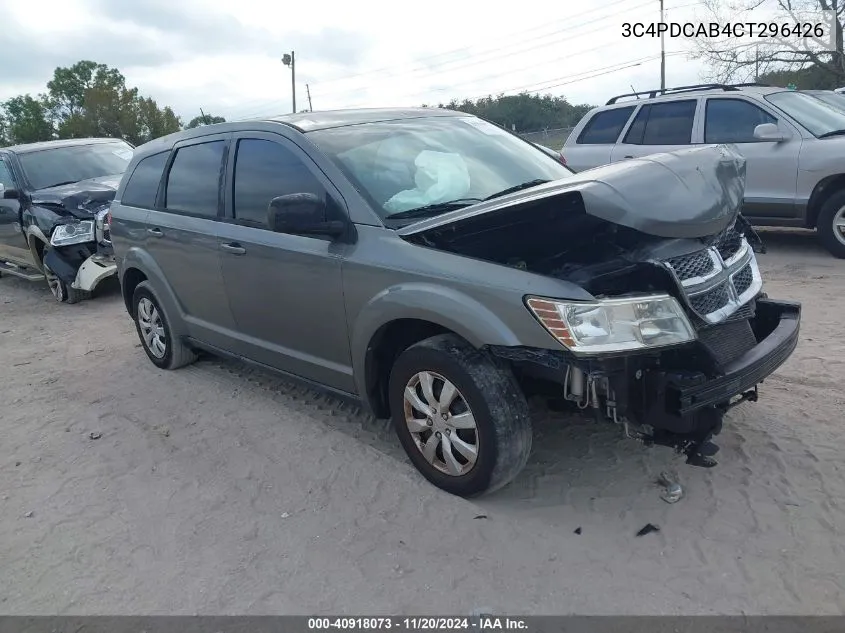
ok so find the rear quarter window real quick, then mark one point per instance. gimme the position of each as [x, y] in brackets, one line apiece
[604, 128]
[142, 187]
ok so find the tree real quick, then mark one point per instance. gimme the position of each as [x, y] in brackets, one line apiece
[204, 119]
[750, 59]
[524, 112]
[27, 120]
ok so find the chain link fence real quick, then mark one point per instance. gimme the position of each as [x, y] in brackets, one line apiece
[554, 138]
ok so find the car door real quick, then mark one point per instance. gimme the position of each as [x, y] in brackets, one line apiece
[10, 232]
[182, 235]
[285, 290]
[771, 168]
[593, 145]
[657, 128]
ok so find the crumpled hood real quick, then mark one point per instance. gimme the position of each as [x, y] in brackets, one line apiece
[690, 193]
[81, 198]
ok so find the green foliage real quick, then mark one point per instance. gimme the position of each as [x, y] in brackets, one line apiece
[84, 100]
[810, 78]
[524, 112]
[204, 119]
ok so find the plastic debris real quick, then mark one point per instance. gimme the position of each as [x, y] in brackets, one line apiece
[578, 530]
[648, 528]
[673, 491]
[94, 435]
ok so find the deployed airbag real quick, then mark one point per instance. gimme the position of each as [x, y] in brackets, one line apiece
[439, 177]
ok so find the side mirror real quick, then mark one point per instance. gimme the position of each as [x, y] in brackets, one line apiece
[770, 132]
[302, 214]
[10, 194]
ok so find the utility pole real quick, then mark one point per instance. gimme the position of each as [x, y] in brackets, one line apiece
[662, 52]
[308, 90]
[289, 59]
[757, 64]
[204, 117]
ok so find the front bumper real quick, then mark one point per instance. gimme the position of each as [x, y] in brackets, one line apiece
[776, 327]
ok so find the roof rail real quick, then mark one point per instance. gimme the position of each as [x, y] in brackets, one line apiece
[654, 93]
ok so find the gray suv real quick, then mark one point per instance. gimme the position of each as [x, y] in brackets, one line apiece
[794, 145]
[440, 270]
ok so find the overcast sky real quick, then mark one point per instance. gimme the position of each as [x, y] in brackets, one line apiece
[224, 56]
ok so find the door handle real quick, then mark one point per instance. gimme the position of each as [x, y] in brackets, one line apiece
[627, 157]
[234, 248]
[155, 232]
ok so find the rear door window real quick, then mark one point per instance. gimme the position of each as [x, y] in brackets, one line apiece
[193, 184]
[265, 170]
[604, 128]
[663, 124]
[733, 121]
[142, 187]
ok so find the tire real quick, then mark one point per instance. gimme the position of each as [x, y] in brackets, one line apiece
[832, 237]
[61, 291]
[149, 317]
[485, 389]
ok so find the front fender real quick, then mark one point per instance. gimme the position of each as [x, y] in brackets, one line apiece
[443, 306]
[138, 259]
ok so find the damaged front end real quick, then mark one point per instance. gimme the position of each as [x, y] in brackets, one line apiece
[80, 254]
[679, 330]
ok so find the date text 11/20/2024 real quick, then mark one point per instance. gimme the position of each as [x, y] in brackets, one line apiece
[484, 622]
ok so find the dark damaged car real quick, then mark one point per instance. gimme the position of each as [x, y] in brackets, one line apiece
[54, 201]
[440, 270]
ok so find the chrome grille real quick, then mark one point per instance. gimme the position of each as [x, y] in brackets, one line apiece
[718, 282]
[743, 279]
[691, 266]
[711, 300]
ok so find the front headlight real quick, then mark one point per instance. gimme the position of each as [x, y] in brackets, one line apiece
[74, 233]
[614, 325]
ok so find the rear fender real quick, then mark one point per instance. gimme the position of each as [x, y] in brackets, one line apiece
[140, 260]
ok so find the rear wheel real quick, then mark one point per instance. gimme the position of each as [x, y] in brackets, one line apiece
[163, 348]
[831, 224]
[460, 416]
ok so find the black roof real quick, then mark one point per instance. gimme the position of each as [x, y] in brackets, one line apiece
[308, 121]
[69, 142]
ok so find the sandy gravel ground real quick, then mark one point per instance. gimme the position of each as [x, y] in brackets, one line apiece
[220, 490]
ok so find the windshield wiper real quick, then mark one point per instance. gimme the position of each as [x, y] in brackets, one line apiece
[59, 184]
[833, 133]
[519, 187]
[434, 209]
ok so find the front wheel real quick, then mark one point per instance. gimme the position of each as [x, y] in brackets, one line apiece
[831, 224]
[61, 291]
[460, 416]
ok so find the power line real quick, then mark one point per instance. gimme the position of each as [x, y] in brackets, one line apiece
[499, 52]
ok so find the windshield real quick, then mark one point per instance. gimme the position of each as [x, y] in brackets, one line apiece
[434, 163]
[60, 165]
[816, 116]
[831, 98]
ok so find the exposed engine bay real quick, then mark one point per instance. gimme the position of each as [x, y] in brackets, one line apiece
[674, 394]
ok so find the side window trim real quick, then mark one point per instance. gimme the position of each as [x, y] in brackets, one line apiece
[287, 142]
[161, 197]
[749, 102]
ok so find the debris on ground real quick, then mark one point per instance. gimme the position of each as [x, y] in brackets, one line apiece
[29, 514]
[673, 491]
[648, 528]
[480, 516]
[578, 530]
[285, 515]
[94, 435]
